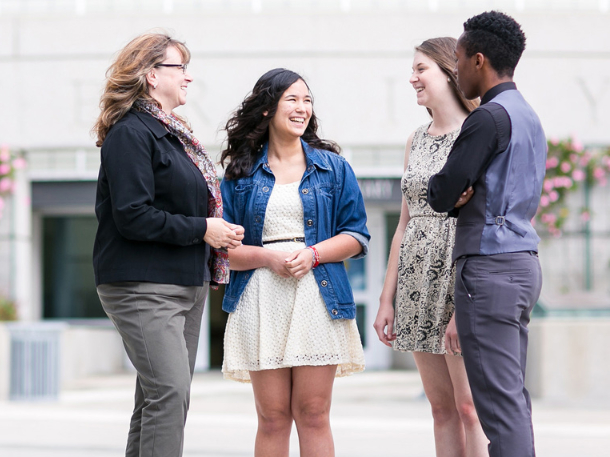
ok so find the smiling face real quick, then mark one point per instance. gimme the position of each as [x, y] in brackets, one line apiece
[171, 82]
[467, 72]
[293, 112]
[429, 81]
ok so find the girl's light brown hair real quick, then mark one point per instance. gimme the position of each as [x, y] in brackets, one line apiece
[126, 78]
[442, 51]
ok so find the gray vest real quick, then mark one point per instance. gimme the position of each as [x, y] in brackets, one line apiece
[497, 218]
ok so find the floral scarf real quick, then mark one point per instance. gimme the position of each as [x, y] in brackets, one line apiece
[219, 258]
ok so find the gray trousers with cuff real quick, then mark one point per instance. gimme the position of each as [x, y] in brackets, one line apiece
[159, 325]
[494, 296]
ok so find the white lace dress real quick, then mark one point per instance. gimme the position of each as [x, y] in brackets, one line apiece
[283, 322]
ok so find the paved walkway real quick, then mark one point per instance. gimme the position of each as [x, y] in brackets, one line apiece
[374, 414]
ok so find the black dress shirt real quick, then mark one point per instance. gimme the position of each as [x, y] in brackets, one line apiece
[485, 134]
[151, 205]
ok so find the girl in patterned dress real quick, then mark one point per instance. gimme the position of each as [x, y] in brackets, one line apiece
[291, 327]
[420, 275]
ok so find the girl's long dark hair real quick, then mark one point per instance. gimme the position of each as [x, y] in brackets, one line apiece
[248, 128]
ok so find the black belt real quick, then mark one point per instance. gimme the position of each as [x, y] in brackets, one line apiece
[296, 239]
[532, 253]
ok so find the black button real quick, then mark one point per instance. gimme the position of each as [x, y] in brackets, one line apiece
[335, 312]
[305, 191]
[196, 240]
[309, 222]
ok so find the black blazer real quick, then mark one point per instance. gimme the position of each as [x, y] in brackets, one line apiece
[151, 205]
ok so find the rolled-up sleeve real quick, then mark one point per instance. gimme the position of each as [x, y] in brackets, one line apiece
[350, 210]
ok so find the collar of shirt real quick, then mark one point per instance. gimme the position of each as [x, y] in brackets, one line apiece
[153, 124]
[496, 90]
[312, 157]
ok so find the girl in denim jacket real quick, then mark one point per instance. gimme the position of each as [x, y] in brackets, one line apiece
[291, 327]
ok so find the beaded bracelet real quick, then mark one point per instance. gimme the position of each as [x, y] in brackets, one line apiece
[315, 256]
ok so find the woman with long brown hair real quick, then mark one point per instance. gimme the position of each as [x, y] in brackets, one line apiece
[161, 239]
[291, 328]
[420, 275]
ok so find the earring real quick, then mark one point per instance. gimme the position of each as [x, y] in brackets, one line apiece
[448, 79]
[154, 85]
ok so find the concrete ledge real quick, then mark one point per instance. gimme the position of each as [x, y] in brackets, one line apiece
[86, 349]
[569, 359]
[90, 350]
[403, 360]
[5, 361]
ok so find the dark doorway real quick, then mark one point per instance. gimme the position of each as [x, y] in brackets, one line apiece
[218, 321]
[68, 280]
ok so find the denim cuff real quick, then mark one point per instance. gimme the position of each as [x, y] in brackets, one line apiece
[363, 240]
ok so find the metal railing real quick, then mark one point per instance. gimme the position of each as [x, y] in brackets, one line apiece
[35, 360]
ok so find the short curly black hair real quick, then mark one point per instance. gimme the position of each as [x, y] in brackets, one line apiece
[498, 37]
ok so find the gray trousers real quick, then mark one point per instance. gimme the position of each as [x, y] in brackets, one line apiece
[160, 325]
[494, 296]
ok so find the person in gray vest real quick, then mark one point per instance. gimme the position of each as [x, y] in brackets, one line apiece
[500, 153]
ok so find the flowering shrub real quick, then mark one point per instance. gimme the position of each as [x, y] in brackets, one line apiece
[8, 310]
[568, 167]
[8, 165]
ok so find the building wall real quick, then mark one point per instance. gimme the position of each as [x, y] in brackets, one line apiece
[356, 56]
[357, 64]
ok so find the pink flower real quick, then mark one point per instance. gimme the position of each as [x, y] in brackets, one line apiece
[5, 169]
[5, 154]
[1, 204]
[554, 231]
[598, 173]
[584, 160]
[548, 218]
[544, 201]
[6, 185]
[565, 167]
[578, 175]
[548, 185]
[19, 163]
[554, 141]
[585, 216]
[573, 158]
[577, 145]
[553, 196]
[552, 162]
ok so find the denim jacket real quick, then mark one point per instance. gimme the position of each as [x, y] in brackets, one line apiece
[332, 205]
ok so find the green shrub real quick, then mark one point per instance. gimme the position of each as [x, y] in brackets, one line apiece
[8, 311]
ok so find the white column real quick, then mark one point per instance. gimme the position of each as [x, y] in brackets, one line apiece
[377, 355]
[21, 247]
[202, 362]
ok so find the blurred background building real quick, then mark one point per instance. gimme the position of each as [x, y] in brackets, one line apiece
[356, 57]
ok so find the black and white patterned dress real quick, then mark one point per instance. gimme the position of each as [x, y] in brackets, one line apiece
[424, 297]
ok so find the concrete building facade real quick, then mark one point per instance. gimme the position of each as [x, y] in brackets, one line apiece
[356, 57]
